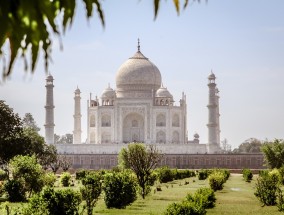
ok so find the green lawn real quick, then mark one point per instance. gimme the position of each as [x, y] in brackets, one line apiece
[236, 198]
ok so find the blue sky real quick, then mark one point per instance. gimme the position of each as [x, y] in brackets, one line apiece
[241, 41]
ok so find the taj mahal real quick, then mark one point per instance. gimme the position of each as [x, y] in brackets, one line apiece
[139, 109]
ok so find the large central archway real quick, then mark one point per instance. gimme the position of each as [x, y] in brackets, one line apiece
[133, 128]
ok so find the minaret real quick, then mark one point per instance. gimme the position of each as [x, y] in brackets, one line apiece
[212, 113]
[218, 116]
[49, 111]
[77, 118]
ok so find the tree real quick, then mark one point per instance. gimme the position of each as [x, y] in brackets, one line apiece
[26, 169]
[142, 161]
[28, 27]
[49, 156]
[273, 153]
[64, 139]
[29, 122]
[11, 132]
[91, 190]
[251, 145]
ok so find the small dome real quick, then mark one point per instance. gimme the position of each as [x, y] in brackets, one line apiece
[108, 93]
[196, 136]
[163, 92]
[49, 77]
[77, 91]
[211, 76]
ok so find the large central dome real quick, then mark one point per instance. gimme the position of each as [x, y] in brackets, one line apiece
[137, 76]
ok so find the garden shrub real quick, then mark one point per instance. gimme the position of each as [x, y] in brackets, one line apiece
[49, 179]
[281, 172]
[184, 173]
[65, 179]
[205, 197]
[64, 201]
[165, 174]
[247, 175]
[266, 187]
[280, 199]
[185, 208]
[15, 190]
[275, 174]
[202, 174]
[91, 190]
[1, 188]
[3, 175]
[263, 172]
[81, 174]
[216, 180]
[153, 177]
[120, 189]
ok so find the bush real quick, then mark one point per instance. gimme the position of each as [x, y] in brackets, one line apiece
[120, 189]
[15, 191]
[165, 174]
[275, 174]
[64, 201]
[202, 174]
[1, 188]
[65, 179]
[266, 187]
[91, 190]
[3, 175]
[185, 208]
[205, 197]
[81, 174]
[216, 180]
[263, 172]
[247, 175]
[49, 179]
[281, 172]
[181, 174]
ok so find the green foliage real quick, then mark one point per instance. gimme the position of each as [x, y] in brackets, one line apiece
[80, 174]
[247, 175]
[91, 190]
[27, 170]
[49, 179]
[203, 174]
[266, 187]
[120, 189]
[276, 175]
[216, 180]
[205, 197]
[185, 208]
[51, 202]
[184, 173]
[274, 153]
[280, 199]
[165, 174]
[28, 28]
[29, 122]
[251, 145]
[142, 161]
[65, 179]
[1, 188]
[3, 175]
[15, 190]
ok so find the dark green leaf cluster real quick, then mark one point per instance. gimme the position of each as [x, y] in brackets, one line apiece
[54, 202]
[27, 26]
[65, 179]
[266, 187]
[15, 190]
[247, 175]
[120, 189]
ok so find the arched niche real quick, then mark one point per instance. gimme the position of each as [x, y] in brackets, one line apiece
[106, 121]
[161, 120]
[161, 137]
[133, 128]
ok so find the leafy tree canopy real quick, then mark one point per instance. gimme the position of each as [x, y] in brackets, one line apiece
[29, 122]
[251, 145]
[27, 27]
[141, 160]
[274, 153]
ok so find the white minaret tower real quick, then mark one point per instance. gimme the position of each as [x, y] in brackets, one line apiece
[77, 118]
[49, 111]
[213, 115]
[218, 116]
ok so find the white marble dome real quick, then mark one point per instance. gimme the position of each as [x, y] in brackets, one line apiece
[138, 73]
[108, 93]
[163, 92]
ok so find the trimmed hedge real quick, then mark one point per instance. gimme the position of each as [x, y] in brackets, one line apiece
[247, 175]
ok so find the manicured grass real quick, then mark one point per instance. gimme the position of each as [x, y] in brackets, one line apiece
[237, 197]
